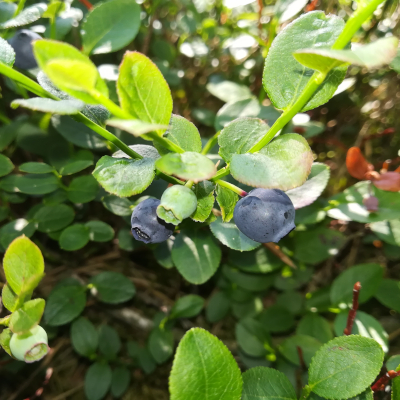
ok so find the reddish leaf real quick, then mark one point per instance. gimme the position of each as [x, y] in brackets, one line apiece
[389, 181]
[356, 164]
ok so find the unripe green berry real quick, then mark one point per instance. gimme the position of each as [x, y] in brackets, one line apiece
[31, 346]
[177, 203]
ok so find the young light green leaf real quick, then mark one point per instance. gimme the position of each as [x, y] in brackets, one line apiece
[74, 237]
[54, 218]
[372, 55]
[284, 78]
[110, 26]
[196, 256]
[354, 361]
[113, 287]
[84, 337]
[143, 91]
[62, 107]
[388, 294]
[202, 367]
[6, 165]
[226, 200]
[261, 383]
[187, 307]
[9, 298]
[97, 380]
[135, 127]
[5, 337]
[283, 164]
[287, 9]
[229, 234]
[312, 188]
[65, 303]
[27, 317]
[7, 53]
[124, 177]
[70, 70]
[188, 165]
[25, 17]
[183, 133]
[161, 344]
[239, 136]
[204, 192]
[23, 265]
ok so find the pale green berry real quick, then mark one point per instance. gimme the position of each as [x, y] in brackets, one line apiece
[177, 203]
[31, 346]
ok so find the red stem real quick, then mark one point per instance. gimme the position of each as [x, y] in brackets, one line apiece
[382, 382]
[87, 4]
[301, 358]
[353, 311]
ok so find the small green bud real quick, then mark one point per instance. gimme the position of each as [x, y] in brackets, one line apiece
[31, 346]
[177, 203]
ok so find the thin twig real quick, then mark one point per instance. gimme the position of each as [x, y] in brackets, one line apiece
[301, 358]
[280, 254]
[353, 311]
[381, 383]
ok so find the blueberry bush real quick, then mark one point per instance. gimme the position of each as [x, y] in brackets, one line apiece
[205, 195]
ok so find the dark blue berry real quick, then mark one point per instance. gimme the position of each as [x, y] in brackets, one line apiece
[21, 42]
[147, 226]
[265, 215]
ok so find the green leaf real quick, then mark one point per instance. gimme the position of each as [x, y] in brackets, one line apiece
[202, 368]
[161, 344]
[82, 189]
[229, 234]
[188, 166]
[84, 337]
[365, 395]
[283, 164]
[6, 166]
[75, 166]
[252, 337]
[62, 107]
[64, 304]
[227, 200]
[9, 132]
[27, 317]
[250, 282]
[364, 325]
[229, 91]
[135, 127]
[121, 377]
[217, 307]
[124, 177]
[315, 326]
[276, 319]
[316, 245]
[9, 298]
[388, 231]
[287, 9]
[23, 265]
[388, 294]
[393, 362]
[70, 70]
[144, 150]
[34, 184]
[113, 287]
[162, 253]
[183, 133]
[312, 188]
[372, 55]
[7, 53]
[204, 192]
[5, 337]
[258, 261]
[55, 7]
[187, 307]
[370, 277]
[25, 17]
[284, 78]
[354, 361]
[117, 205]
[97, 381]
[78, 133]
[126, 241]
[109, 342]
[54, 218]
[239, 136]
[196, 256]
[395, 64]
[36, 168]
[74, 237]
[99, 231]
[143, 91]
[110, 26]
[308, 345]
[14, 229]
[261, 383]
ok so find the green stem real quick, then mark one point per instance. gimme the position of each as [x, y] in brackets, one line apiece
[210, 144]
[229, 186]
[305, 393]
[4, 118]
[165, 142]
[221, 173]
[53, 30]
[20, 7]
[189, 184]
[5, 321]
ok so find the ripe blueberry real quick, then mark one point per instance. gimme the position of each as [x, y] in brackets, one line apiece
[31, 346]
[21, 42]
[177, 203]
[146, 226]
[265, 215]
